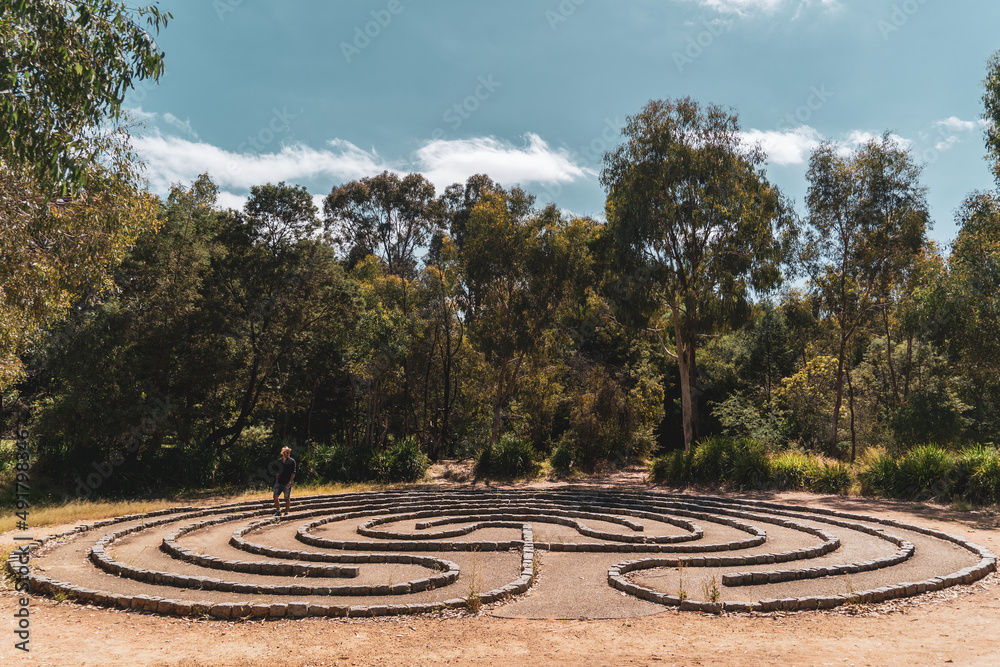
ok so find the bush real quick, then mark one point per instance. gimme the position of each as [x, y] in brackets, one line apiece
[509, 458]
[792, 470]
[750, 465]
[925, 471]
[672, 468]
[711, 459]
[404, 462]
[401, 462]
[338, 463]
[831, 477]
[879, 472]
[562, 457]
[983, 482]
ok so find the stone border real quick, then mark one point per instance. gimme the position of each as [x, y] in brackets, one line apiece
[405, 503]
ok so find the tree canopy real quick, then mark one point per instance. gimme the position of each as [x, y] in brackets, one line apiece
[688, 201]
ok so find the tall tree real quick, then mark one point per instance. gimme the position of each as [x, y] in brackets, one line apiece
[991, 100]
[688, 203]
[384, 215]
[65, 67]
[272, 284]
[867, 221]
[521, 268]
[71, 200]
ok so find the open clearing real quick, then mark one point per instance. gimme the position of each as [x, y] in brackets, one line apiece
[570, 614]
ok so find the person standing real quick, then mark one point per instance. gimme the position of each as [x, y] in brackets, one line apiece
[283, 480]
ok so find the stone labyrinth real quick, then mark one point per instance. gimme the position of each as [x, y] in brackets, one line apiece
[544, 554]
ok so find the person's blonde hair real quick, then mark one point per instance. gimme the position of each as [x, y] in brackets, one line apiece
[286, 449]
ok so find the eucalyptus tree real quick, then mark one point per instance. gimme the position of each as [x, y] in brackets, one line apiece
[384, 215]
[971, 297]
[521, 268]
[65, 67]
[695, 222]
[71, 198]
[867, 222]
[991, 100]
[272, 285]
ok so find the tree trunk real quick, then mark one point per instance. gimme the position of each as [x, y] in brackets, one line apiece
[840, 395]
[850, 403]
[685, 365]
[888, 352]
[907, 367]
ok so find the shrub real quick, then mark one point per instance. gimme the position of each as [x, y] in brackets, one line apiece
[831, 477]
[925, 470]
[508, 458]
[404, 462]
[792, 470]
[711, 458]
[562, 457]
[878, 473]
[338, 463]
[982, 481]
[749, 465]
[672, 468]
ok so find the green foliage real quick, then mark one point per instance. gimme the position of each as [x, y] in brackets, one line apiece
[65, 68]
[509, 458]
[562, 458]
[712, 458]
[747, 464]
[928, 471]
[689, 203]
[673, 468]
[403, 461]
[793, 470]
[831, 477]
[384, 215]
[739, 417]
[750, 466]
[338, 463]
[879, 472]
[929, 415]
[982, 467]
[923, 472]
[867, 223]
[991, 102]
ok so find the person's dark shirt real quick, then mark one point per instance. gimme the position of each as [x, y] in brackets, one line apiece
[287, 470]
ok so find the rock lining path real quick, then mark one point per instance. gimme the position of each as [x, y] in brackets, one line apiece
[596, 553]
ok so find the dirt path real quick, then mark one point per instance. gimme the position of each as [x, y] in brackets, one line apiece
[958, 625]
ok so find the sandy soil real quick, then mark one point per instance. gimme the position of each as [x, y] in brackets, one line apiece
[958, 625]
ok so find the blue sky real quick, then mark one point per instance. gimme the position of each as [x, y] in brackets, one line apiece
[318, 93]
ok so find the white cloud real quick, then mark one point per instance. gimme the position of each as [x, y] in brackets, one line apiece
[182, 125]
[785, 147]
[796, 145]
[445, 162]
[858, 138]
[746, 7]
[229, 200]
[956, 124]
[175, 160]
[946, 143]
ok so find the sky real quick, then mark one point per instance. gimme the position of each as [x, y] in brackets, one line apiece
[532, 93]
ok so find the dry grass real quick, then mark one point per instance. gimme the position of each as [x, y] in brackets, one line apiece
[86, 510]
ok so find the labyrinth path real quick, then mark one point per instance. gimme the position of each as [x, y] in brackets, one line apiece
[544, 554]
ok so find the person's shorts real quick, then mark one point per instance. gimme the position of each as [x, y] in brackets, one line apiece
[281, 488]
